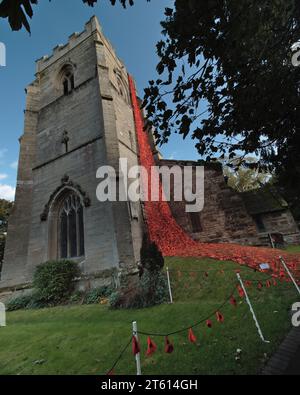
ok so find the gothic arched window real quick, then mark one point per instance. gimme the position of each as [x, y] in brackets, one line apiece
[71, 228]
[122, 88]
[67, 79]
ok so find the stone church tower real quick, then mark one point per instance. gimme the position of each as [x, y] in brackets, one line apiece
[78, 117]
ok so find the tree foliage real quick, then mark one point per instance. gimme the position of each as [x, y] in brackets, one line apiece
[18, 11]
[244, 179]
[227, 80]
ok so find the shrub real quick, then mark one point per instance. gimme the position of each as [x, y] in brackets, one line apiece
[127, 298]
[155, 288]
[18, 303]
[151, 257]
[53, 281]
[77, 297]
[114, 300]
[95, 295]
[151, 290]
[36, 302]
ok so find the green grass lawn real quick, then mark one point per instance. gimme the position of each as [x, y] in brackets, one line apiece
[88, 339]
[294, 249]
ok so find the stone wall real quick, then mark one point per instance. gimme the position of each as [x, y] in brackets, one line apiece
[282, 222]
[224, 217]
[98, 118]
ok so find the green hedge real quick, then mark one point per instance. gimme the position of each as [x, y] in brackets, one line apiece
[53, 281]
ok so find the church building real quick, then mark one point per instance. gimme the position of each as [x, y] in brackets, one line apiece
[79, 117]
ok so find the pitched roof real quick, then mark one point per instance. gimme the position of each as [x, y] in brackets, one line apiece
[264, 200]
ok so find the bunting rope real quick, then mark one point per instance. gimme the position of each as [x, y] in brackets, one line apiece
[119, 357]
[169, 347]
[190, 326]
[132, 338]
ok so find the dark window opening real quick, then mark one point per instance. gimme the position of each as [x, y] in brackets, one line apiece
[68, 83]
[64, 235]
[196, 222]
[66, 87]
[72, 82]
[260, 223]
[71, 228]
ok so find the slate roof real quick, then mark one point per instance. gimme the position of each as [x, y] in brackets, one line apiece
[264, 200]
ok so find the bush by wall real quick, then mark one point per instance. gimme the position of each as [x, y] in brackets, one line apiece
[150, 290]
[95, 295]
[53, 281]
[18, 303]
[151, 257]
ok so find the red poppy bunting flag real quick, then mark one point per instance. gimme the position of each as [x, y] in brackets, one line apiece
[233, 301]
[209, 324]
[220, 317]
[241, 292]
[135, 346]
[192, 337]
[169, 348]
[151, 347]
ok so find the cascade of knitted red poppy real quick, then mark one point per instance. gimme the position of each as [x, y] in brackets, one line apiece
[171, 239]
[151, 347]
[192, 337]
[135, 346]
[169, 348]
[268, 284]
[282, 274]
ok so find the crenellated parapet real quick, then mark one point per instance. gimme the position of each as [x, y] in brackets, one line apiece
[92, 28]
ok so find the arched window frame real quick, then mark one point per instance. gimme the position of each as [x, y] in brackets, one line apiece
[52, 213]
[122, 88]
[71, 227]
[66, 79]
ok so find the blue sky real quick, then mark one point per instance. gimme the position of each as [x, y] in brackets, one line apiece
[133, 32]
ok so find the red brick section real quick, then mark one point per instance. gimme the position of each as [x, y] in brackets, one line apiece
[173, 240]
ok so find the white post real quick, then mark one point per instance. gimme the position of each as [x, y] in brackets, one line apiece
[289, 273]
[251, 309]
[2, 315]
[169, 286]
[138, 356]
[271, 240]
